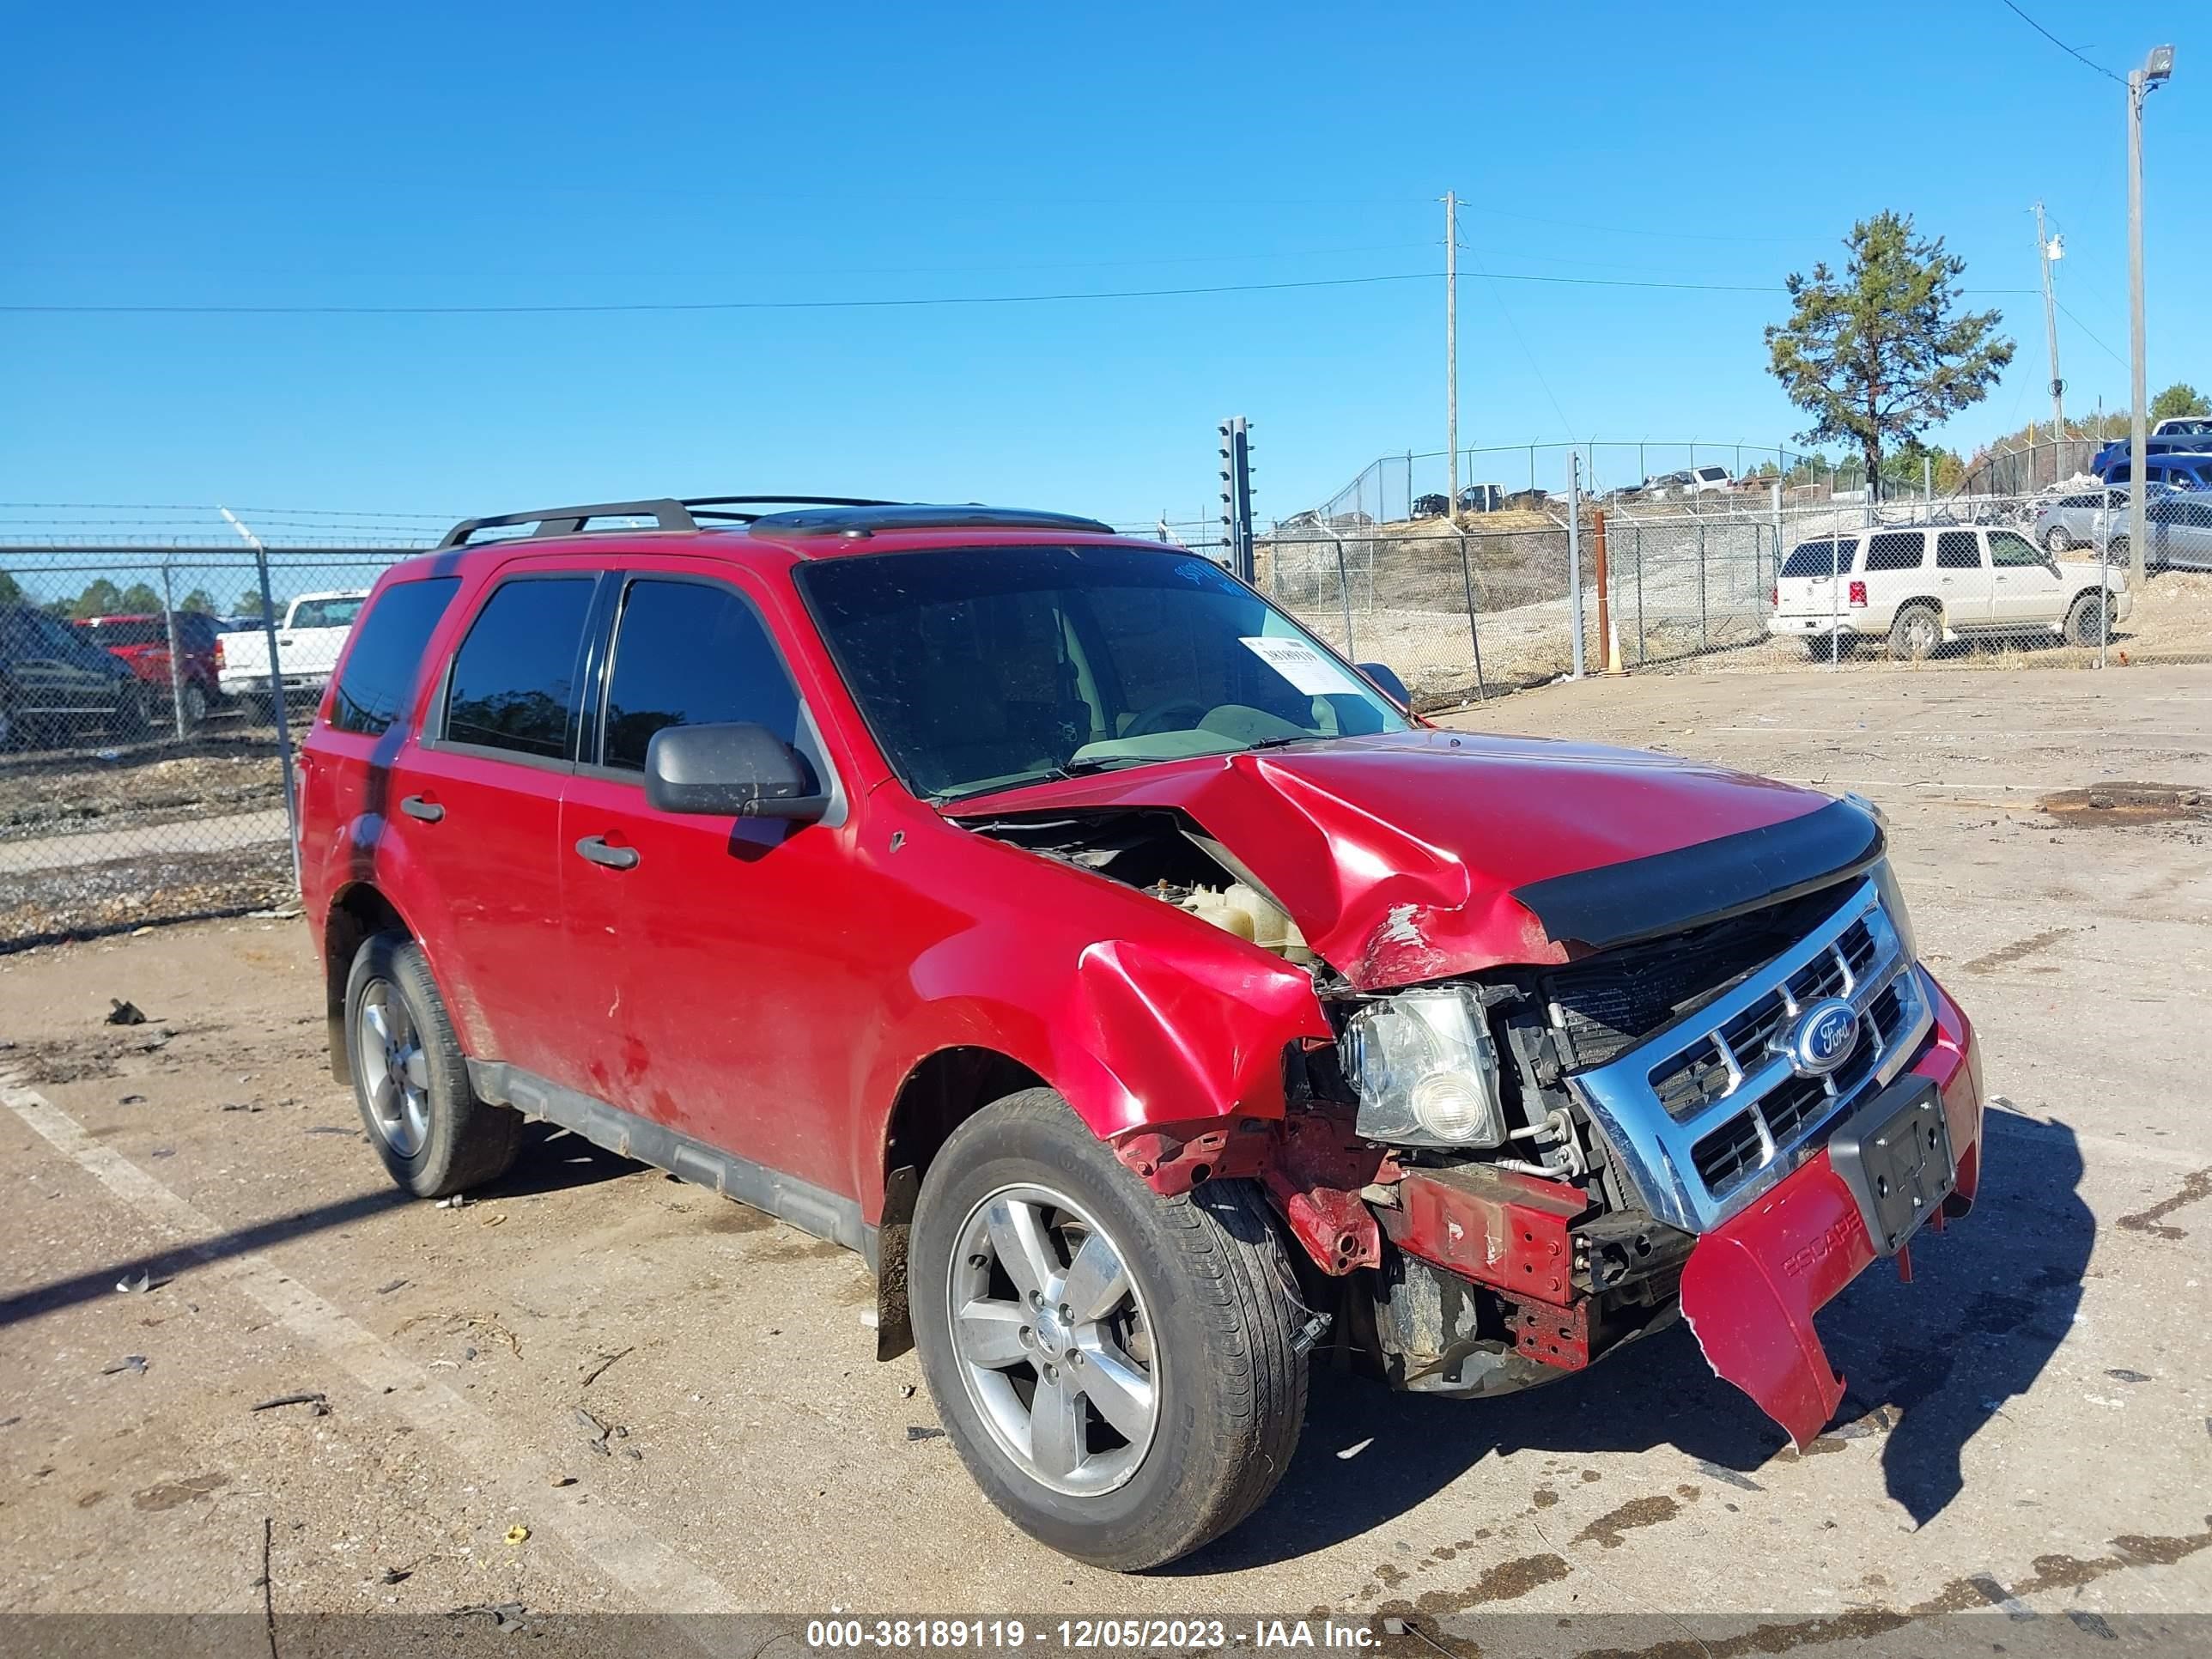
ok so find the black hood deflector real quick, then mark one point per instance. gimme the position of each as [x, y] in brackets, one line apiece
[1710, 881]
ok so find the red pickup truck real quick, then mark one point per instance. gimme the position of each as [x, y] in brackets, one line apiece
[1142, 988]
[142, 641]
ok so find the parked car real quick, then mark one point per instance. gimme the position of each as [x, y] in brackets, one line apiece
[1920, 586]
[56, 687]
[2169, 472]
[2184, 426]
[1482, 498]
[142, 641]
[308, 642]
[1431, 506]
[2060, 523]
[2178, 528]
[1146, 994]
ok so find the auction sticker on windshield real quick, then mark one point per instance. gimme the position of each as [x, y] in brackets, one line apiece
[1305, 668]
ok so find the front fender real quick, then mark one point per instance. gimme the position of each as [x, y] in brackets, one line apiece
[1130, 1033]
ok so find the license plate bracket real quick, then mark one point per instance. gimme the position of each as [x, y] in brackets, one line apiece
[1895, 1154]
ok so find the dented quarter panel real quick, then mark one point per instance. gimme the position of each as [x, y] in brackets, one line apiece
[1397, 855]
[1752, 1285]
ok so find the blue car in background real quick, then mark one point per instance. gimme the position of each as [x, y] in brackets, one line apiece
[2182, 460]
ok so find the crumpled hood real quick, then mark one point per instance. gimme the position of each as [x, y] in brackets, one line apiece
[1417, 855]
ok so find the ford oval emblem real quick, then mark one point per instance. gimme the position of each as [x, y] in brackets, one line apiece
[1823, 1037]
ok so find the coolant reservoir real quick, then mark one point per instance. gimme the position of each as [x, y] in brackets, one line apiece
[1211, 904]
[1251, 914]
[1272, 929]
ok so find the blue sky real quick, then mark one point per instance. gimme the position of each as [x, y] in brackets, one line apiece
[558, 153]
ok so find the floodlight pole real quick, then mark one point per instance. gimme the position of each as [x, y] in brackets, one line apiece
[2157, 69]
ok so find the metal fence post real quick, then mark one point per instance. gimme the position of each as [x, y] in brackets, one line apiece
[176, 665]
[1344, 593]
[276, 690]
[1642, 646]
[1575, 556]
[1473, 633]
[1704, 641]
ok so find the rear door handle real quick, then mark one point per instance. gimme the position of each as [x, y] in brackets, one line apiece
[595, 849]
[415, 807]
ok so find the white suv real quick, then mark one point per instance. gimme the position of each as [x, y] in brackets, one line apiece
[1919, 586]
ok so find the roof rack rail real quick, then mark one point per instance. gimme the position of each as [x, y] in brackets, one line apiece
[858, 520]
[715, 507]
[568, 521]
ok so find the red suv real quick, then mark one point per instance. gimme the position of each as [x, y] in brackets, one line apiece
[1137, 985]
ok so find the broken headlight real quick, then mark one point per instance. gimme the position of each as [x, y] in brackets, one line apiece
[1426, 1068]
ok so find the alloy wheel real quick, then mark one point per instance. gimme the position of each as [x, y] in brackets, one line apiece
[1053, 1340]
[394, 1069]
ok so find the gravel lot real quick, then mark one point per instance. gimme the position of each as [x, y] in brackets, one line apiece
[595, 1389]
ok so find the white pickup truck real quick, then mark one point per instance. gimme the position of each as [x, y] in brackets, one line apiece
[308, 641]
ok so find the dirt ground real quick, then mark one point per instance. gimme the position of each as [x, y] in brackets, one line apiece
[593, 1389]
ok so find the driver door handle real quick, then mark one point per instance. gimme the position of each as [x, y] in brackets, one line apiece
[595, 849]
[415, 807]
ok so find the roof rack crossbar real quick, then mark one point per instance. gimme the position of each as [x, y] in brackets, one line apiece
[666, 513]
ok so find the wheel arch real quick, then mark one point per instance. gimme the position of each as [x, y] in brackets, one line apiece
[939, 1092]
[358, 912]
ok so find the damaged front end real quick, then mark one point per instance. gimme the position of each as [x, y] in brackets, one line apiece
[1717, 1084]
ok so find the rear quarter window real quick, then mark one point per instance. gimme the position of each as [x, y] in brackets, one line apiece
[1822, 558]
[386, 658]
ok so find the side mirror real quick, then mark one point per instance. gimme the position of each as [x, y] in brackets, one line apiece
[1385, 679]
[738, 770]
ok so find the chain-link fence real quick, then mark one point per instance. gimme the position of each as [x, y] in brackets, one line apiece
[1462, 608]
[141, 774]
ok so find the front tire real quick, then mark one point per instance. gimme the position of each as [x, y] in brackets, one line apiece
[2056, 541]
[411, 1081]
[1118, 1371]
[2085, 622]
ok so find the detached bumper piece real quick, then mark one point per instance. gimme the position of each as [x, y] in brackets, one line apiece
[1753, 1285]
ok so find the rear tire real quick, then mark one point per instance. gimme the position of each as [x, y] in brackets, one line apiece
[1198, 1351]
[411, 1081]
[2085, 622]
[1916, 633]
[195, 699]
[132, 722]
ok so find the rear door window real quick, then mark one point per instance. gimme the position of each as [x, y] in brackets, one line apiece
[1958, 549]
[381, 669]
[691, 654]
[515, 678]
[1899, 550]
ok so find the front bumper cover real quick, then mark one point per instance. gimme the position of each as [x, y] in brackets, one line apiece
[1752, 1285]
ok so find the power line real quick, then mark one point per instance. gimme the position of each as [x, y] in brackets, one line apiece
[2094, 340]
[2060, 44]
[637, 306]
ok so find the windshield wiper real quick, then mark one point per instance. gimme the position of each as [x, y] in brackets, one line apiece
[1088, 763]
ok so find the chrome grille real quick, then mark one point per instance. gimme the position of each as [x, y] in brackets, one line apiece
[1710, 1112]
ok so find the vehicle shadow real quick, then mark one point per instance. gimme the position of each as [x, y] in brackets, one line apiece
[553, 1160]
[1927, 1366]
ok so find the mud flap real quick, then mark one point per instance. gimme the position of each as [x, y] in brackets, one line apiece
[1752, 1285]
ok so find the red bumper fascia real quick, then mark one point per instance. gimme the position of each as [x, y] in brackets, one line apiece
[1752, 1285]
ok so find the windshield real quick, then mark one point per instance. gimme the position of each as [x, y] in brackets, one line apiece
[979, 668]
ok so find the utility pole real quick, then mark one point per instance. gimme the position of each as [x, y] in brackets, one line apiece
[2157, 69]
[1451, 348]
[2047, 251]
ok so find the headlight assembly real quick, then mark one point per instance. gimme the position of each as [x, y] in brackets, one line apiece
[1426, 1068]
[1892, 901]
